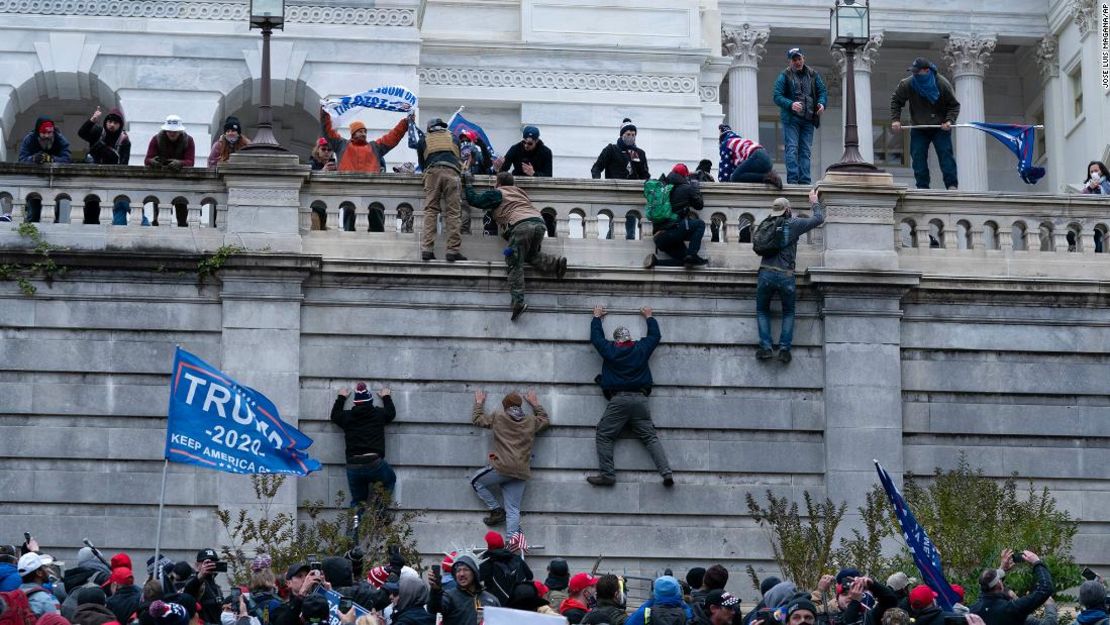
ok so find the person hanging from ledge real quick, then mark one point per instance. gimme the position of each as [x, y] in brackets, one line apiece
[524, 228]
[932, 103]
[776, 240]
[438, 153]
[744, 160]
[356, 153]
[626, 382]
[622, 160]
[230, 142]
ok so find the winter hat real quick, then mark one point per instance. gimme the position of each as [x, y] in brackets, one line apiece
[436, 122]
[723, 128]
[627, 125]
[44, 125]
[494, 540]
[448, 561]
[558, 574]
[377, 576]
[580, 582]
[959, 590]
[52, 618]
[779, 207]
[1092, 594]
[356, 126]
[121, 560]
[898, 581]
[681, 169]
[315, 609]
[525, 596]
[115, 114]
[362, 394]
[169, 613]
[705, 165]
[173, 124]
[694, 576]
[261, 562]
[665, 588]
[232, 123]
[531, 132]
[91, 594]
[848, 572]
[511, 400]
[85, 554]
[122, 576]
[622, 335]
[801, 604]
[922, 597]
[767, 584]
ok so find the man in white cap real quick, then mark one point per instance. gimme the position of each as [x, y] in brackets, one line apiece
[172, 148]
[32, 570]
[776, 240]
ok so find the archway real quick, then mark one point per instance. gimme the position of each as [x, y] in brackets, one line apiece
[296, 113]
[34, 99]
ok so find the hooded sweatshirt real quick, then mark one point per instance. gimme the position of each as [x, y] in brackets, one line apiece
[107, 148]
[9, 577]
[412, 595]
[30, 147]
[665, 595]
[458, 605]
[512, 440]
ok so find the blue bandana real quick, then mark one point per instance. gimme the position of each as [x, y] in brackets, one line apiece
[926, 85]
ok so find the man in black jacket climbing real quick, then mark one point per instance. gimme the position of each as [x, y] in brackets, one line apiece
[364, 435]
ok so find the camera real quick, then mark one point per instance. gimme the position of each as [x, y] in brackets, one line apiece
[314, 564]
[436, 573]
[221, 567]
[1088, 574]
[1018, 557]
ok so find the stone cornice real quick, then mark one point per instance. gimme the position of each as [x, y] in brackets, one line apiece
[969, 54]
[744, 44]
[222, 11]
[577, 81]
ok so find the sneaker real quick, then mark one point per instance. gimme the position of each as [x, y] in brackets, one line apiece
[496, 516]
[763, 354]
[668, 481]
[518, 310]
[601, 480]
[453, 256]
[649, 261]
[426, 256]
[784, 356]
[561, 268]
[695, 261]
[773, 179]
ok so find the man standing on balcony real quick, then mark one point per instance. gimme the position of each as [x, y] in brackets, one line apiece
[932, 103]
[356, 153]
[622, 160]
[442, 164]
[776, 271]
[801, 96]
[525, 230]
[530, 157]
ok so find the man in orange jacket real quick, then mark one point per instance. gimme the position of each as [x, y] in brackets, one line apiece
[358, 154]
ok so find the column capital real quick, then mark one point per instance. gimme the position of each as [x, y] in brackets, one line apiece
[969, 54]
[744, 44]
[1047, 55]
[1085, 15]
[865, 56]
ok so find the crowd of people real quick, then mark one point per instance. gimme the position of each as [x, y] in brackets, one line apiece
[35, 589]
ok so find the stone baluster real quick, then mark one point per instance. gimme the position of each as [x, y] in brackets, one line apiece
[391, 219]
[362, 218]
[745, 46]
[950, 239]
[921, 236]
[1060, 240]
[977, 242]
[969, 55]
[335, 221]
[589, 227]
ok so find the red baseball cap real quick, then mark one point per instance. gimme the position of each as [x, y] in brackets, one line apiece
[681, 169]
[921, 597]
[580, 582]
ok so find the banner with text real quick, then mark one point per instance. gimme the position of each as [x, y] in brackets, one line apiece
[390, 98]
[217, 423]
[333, 602]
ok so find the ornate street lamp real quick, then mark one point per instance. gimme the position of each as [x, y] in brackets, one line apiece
[267, 15]
[850, 25]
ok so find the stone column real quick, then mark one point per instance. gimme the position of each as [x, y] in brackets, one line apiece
[864, 60]
[745, 46]
[969, 55]
[1047, 55]
[264, 200]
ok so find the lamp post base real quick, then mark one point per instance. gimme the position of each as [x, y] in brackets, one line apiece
[264, 140]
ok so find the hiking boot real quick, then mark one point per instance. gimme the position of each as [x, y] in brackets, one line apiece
[773, 179]
[561, 268]
[763, 354]
[497, 515]
[453, 256]
[518, 310]
[695, 261]
[426, 256]
[784, 356]
[649, 261]
[601, 480]
[668, 481]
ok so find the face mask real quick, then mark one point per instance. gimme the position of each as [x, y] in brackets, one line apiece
[232, 140]
[1096, 178]
[228, 618]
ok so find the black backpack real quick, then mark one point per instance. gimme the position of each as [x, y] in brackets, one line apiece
[771, 235]
[665, 615]
[504, 576]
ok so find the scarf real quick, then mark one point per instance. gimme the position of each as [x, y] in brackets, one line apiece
[926, 85]
[516, 413]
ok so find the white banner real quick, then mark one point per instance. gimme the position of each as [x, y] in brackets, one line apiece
[390, 98]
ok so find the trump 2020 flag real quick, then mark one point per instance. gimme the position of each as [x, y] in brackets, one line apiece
[925, 554]
[217, 423]
[459, 123]
[1021, 141]
[390, 98]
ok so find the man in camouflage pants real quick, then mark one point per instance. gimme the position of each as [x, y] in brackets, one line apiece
[525, 230]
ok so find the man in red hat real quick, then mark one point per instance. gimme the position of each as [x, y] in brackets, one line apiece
[124, 596]
[583, 587]
[501, 569]
[679, 236]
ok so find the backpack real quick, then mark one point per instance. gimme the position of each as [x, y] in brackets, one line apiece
[658, 195]
[17, 610]
[665, 615]
[504, 577]
[771, 236]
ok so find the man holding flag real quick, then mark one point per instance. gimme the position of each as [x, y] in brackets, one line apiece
[932, 103]
[356, 153]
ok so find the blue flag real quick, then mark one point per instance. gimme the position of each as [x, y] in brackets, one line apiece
[333, 605]
[459, 123]
[925, 554]
[217, 423]
[1021, 141]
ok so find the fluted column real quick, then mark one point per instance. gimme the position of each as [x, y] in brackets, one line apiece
[1047, 55]
[745, 46]
[969, 56]
[864, 59]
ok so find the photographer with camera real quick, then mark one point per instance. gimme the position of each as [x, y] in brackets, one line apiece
[995, 605]
[301, 579]
[202, 585]
[855, 611]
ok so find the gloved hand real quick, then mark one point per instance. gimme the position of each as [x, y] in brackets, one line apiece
[173, 164]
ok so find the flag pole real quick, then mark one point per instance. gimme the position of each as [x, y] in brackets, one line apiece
[455, 114]
[158, 530]
[1039, 126]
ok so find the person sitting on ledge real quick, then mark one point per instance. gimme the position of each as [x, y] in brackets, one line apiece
[684, 226]
[530, 157]
[744, 160]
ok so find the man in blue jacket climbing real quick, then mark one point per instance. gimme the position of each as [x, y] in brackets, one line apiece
[626, 381]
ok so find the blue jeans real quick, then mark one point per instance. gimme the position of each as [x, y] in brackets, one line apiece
[797, 138]
[770, 283]
[919, 153]
[360, 477]
[672, 241]
[753, 168]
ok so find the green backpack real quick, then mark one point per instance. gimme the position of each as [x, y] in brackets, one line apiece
[658, 195]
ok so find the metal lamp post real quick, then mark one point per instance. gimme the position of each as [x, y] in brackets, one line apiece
[266, 15]
[850, 25]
